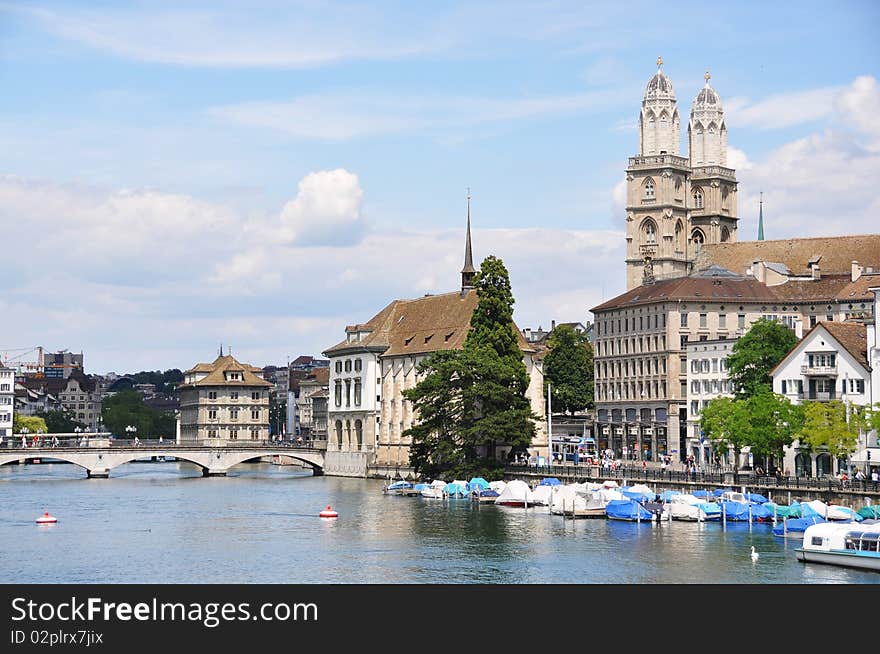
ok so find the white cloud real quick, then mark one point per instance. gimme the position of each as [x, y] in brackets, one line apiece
[781, 110]
[859, 105]
[326, 210]
[190, 277]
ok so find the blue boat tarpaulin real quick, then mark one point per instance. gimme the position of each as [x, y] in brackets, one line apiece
[477, 483]
[626, 510]
[550, 481]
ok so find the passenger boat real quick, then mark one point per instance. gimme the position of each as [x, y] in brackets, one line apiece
[850, 545]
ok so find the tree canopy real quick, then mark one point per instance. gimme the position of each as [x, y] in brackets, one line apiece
[755, 354]
[33, 424]
[765, 422]
[127, 408]
[60, 422]
[826, 427]
[568, 367]
[472, 400]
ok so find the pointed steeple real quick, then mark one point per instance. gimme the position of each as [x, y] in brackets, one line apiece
[468, 271]
[761, 218]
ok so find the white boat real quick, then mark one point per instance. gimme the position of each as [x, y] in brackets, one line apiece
[691, 509]
[850, 545]
[516, 493]
[542, 495]
[434, 491]
[831, 511]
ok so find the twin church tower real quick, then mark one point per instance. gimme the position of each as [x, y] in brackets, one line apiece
[677, 204]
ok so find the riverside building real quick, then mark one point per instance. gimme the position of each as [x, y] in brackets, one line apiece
[690, 281]
[377, 361]
[7, 400]
[224, 401]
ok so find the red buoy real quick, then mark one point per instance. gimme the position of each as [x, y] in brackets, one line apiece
[46, 519]
[328, 513]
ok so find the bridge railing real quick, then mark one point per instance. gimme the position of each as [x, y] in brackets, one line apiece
[48, 441]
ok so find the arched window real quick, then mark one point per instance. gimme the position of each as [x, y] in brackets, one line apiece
[649, 189]
[678, 232]
[650, 231]
[339, 434]
[348, 434]
[698, 238]
[725, 234]
[803, 466]
[698, 198]
[823, 465]
[359, 434]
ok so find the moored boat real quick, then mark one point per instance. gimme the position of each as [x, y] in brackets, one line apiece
[628, 510]
[517, 493]
[849, 545]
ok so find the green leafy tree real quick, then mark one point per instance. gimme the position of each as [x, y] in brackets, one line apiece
[60, 422]
[725, 423]
[33, 424]
[755, 354]
[568, 367]
[774, 423]
[127, 408]
[826, 427]
[472, 400]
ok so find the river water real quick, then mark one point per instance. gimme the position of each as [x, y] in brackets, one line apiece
[165, 523]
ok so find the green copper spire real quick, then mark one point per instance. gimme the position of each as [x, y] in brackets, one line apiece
[761, 218]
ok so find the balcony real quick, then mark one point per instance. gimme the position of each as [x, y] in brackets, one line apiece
[821, 397]
[819, 371]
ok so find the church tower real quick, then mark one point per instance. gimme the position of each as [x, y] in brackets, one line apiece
[657, 190]
[468, 271]
[712, 198]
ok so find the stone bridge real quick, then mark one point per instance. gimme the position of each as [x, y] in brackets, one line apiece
[213, 460]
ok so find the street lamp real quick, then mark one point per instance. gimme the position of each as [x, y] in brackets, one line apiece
[131, 430]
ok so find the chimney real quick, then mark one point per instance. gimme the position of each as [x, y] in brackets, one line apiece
[799, 328]
[552, 325]
[856, 271]
[816, 272]
[759, 270]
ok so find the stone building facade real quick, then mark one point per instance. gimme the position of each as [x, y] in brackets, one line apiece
[707, 379]
[378, 360]
[222, 402]
[7, 400]
[676, 205]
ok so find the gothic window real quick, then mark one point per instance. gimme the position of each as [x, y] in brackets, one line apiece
[725, 234]
[678, 230]
[649, 189]
[697, 238]
[650, 231]
[698, 198]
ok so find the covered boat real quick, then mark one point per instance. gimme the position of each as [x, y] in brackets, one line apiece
[550, 481]
[478, 483]
[639, 492]
[795, 526]
[456, 489]
[516, 493]
[872, 512]
[692, 509]
[543, 494]
[497, 485]
[744, 511]
[400, 488]
[627, 510]
[829, 511]
[486, 496]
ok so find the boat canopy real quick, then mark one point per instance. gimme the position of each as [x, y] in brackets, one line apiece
[718, 492]
[667, 495]
[544, 494]
[515, 491]
[781, 511]
[610, 483]
[456, 489]
[478, 483]
[497, 485]
[626, 510]
[756, 497]
[796, 525]
[550, 481]
[397, 485]
[872, 511]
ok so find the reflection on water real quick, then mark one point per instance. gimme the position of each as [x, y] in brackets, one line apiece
[165, 523]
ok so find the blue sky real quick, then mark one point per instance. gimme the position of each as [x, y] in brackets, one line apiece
[177, 175]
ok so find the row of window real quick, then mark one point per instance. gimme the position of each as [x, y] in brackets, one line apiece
[5, 400]
[233, 433]
[624, 325]
[233, 414]
[234, 395]
[5, 387]
[347, 365]
[714, 386]
[628, 367]
[823, 360]
[358, 429]
[695, 407]
[347, 385]
[630, 391]
[704, 365]
[612, 347]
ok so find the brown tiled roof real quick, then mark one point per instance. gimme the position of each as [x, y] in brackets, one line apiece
[321, 375]
[713, 289]
[858, 290]
[853, 336]
[824, 289]
[225, 363]
[426, 324]
[837, 252]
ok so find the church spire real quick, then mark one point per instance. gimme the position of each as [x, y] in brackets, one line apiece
[468, 271]
[761, 218]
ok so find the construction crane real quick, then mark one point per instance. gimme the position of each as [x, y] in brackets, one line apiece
[11, 359]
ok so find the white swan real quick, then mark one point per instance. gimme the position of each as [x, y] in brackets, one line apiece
[754, 554]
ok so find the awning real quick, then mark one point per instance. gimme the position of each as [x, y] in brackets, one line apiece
[862, 457]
